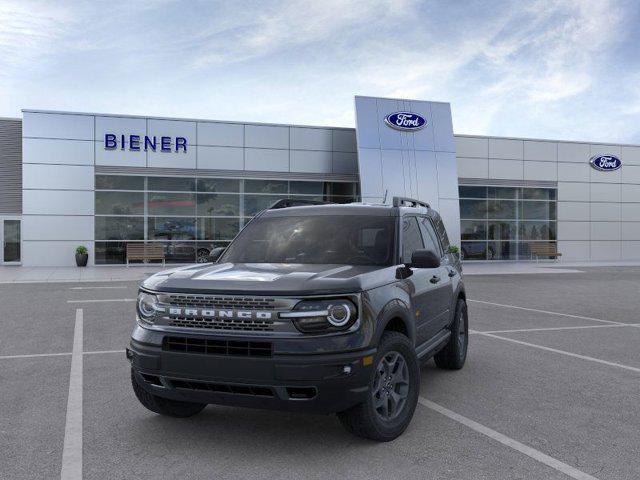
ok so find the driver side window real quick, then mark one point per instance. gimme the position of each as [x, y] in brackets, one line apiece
[411, 238]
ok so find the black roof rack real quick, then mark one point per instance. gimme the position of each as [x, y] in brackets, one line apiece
[405, 202]
[290, 202]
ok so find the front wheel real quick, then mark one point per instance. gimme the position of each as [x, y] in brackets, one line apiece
[164, 406]
[454, 354]
[393, 392]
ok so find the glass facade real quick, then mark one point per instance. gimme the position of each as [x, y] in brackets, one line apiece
[501, 223]
[189, 216]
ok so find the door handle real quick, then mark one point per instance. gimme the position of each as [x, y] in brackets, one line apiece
[435, 279]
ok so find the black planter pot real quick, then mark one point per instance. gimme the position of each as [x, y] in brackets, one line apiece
[81, 259]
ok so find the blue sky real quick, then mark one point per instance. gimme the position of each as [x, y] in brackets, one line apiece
[546, 69]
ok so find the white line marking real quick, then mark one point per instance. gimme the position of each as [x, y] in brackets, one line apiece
[33, 355]
[562, 352]
[100, 287]
[548, 312]
[549, 329]
[509, 442]
[99, 352]
[105, 300]
[72, 449]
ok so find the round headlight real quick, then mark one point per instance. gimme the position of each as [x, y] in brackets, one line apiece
[146, 305]
[339, 314]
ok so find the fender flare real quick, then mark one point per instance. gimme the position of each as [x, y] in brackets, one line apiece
[392, 310]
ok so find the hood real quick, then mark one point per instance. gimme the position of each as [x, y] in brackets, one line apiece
[270, 279]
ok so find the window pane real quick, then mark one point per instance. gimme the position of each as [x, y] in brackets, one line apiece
[429, 236]
[167, 228]
[538, 194]
[474, 250]
[411, 238]
[501, 251]
[179, 252]
[265, 186]
[538, 210]
[203, 249]
[11, 247]
[502, 231]
[308, 188]
[472, 192]
[343, 188]
[502, 192]
[210, 204]
[473, 230]
[172, 204]
[218, 185]
[537, 230]
[256, 203]
[473, 209]
[441, 231]
[119, 182]
[175, 184]
[119, 228]
[108, 253]
[502, 209]
[218, 228]
[120, 203]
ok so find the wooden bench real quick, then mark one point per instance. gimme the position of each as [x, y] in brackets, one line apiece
[145, 252]
[544, 250]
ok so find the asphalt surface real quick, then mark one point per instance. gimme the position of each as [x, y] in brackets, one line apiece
[566, 388]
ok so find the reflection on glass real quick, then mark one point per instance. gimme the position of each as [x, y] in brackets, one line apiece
[472, 192]
[474, 250]
[502, 251]
[218, 228]
[502, 231]
[119, 228]
[503, 209]
[538, 210]
[473, 230]
[265, 186]
[226, 204]
[473, 209]
[213, 185]
[119, 203]
[254, 204]
[107, 253]
[503, 192]
[538, 194]
[168, 228]
[119, 182]
[308, 188]
[171, 184]
[171, 204]
[11, 247]
[537, 231]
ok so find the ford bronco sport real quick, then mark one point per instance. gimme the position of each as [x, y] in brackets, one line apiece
[316, 308]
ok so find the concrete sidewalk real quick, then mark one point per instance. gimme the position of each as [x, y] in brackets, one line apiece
[19, 274]
[527, 268]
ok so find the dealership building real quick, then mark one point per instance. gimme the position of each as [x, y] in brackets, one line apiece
[106, 181]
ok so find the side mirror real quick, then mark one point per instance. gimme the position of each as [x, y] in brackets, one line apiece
[216, 253]
[425, 259]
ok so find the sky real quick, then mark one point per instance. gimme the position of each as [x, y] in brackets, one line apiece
[540, 69]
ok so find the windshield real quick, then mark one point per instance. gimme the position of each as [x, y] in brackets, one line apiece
[347, 240]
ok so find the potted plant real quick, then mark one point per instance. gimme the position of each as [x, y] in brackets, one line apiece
[455, 251]
[82, 256]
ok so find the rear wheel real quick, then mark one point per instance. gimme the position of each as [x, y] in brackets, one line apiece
[164, 406]
[393, 392]
[453, 356]
[203, 256]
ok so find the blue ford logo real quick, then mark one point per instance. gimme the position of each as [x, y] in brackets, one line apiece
[605, 163]
[405, 121]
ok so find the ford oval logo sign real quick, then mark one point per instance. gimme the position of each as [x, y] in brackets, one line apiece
[605, 163]
[405, 121]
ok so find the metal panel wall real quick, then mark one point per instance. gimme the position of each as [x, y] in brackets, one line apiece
[10, 166]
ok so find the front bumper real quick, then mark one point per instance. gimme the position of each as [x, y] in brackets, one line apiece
[314, 383]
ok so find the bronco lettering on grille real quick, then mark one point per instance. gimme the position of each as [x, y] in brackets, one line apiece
[216, 313]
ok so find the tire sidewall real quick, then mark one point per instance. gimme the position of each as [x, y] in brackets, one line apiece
[392, 428]
[461, 313]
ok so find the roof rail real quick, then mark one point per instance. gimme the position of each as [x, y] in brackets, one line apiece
[404, 202]
[290, 202]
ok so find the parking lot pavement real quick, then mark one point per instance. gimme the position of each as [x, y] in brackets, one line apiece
[551, 394]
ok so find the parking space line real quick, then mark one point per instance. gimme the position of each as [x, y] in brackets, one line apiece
[98, 352]
[562, 352]
[509, 442]
[33, 355]
[99, 287]
[550, 329]
[72, 449]
[103, 300]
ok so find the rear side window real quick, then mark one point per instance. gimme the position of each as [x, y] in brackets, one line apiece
[430, 239]
[442, 233]
[411, 238]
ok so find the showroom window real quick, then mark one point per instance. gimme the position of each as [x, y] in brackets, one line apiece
[501, 223]
[189, 216]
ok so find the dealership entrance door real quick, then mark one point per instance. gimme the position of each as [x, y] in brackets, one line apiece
[10, 240]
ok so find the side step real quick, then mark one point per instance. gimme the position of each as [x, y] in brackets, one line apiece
[430, 348]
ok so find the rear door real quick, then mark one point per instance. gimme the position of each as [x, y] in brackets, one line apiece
[421, 286]
[442, 295]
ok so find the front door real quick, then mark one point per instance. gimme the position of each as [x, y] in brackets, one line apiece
[10, 240]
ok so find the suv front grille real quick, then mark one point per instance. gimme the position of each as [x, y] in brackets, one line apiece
[221, 302]
[243, 325]
[206, 346]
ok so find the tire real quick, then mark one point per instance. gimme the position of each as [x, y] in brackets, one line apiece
[164, 406]
[454, 354]
[367, 420]
[202, 256]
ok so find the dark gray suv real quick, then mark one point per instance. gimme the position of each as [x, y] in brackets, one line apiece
[315, 308]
